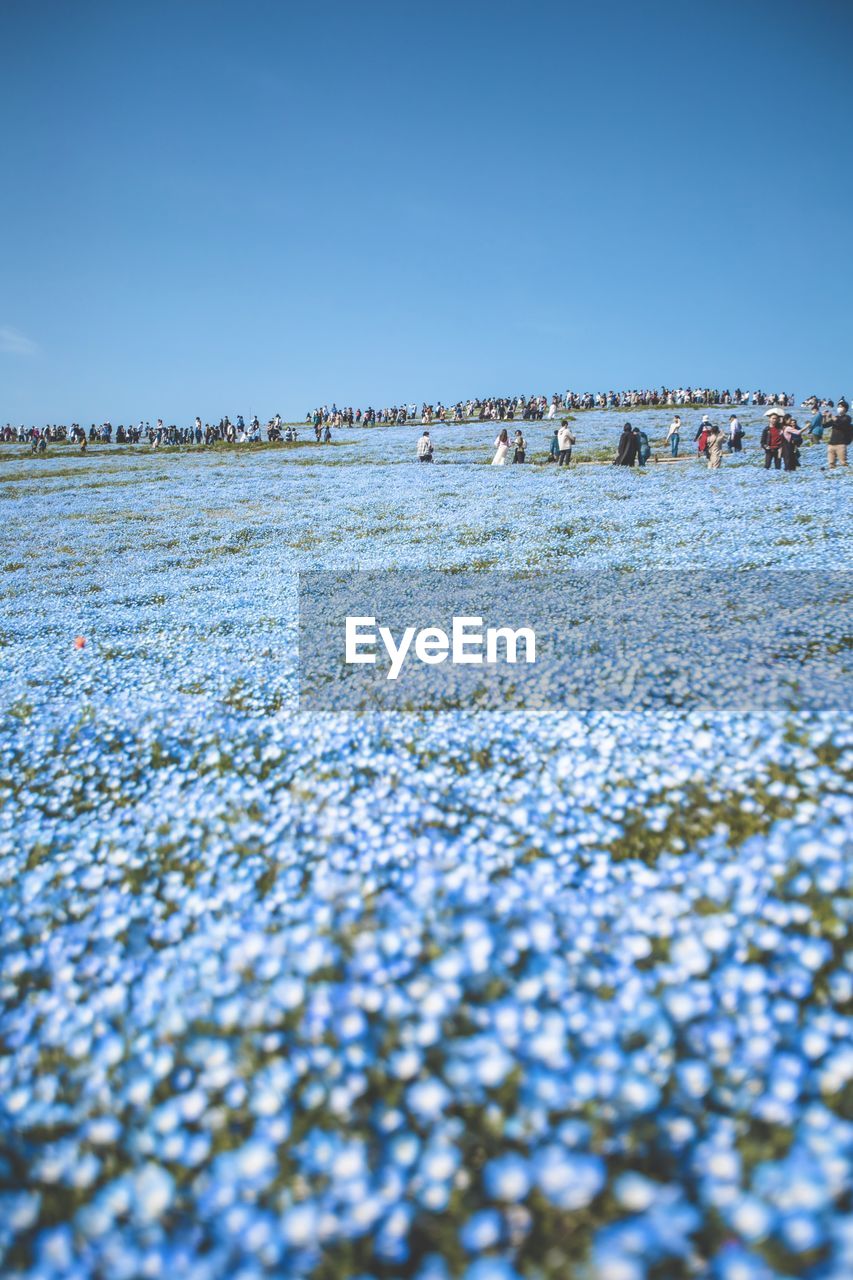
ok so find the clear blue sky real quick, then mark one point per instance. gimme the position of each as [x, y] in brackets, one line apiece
[215, 207]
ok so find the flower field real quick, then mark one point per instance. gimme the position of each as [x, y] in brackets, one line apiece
[478, 995]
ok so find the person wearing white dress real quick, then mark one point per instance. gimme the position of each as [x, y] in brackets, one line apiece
[501, 449]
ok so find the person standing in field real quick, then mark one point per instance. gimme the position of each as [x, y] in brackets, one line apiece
[673, 436]
[816, 425]
[626, 453]
[565, 441]
[714, 447]
[520, 450]
[792, 438]
[735, 435]
[425, 449]
[840, 436]
[771, 443]
[554, 447]
[501, 449]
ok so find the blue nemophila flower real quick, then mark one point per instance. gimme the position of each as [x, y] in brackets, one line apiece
[439, 1162]
[568, 1180]
[635, 1192]
[152, 1193]
[427, 1099]
[433, 1267]
[507, 1178]
[482, 1231]
[736, 1263]
[490, 1269]
[18, 1211]
[300, 1225]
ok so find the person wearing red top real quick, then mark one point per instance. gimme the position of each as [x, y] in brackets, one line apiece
[771, 443]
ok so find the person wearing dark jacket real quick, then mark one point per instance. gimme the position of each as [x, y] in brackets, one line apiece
[771, 443]
[840, 436]
[792, 438]
[626, 452]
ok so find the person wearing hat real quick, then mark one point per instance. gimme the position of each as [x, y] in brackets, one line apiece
[840, 436]
[425, 448]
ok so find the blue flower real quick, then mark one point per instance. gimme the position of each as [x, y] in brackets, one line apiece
[482, 1231]
[507, 1178]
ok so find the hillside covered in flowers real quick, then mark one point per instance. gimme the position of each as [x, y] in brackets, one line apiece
[482, 994]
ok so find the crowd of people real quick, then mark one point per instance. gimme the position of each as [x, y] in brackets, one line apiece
[236, 432]
[780, 440]
[535, 408]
